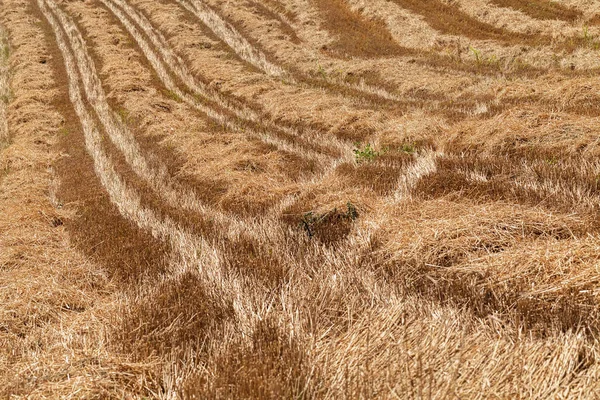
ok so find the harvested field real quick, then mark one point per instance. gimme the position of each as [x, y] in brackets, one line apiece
[300, 199]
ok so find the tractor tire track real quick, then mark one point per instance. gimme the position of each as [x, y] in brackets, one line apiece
[228, 34]
[263, 299]
[119, 135]
[191, 253]
[244, 112]
[121, 194]
[369, 94]
[240, 45]
[161, 70]
[289, 140]
[129, 202]
[130, 17]
[448, 106]
[158, 180]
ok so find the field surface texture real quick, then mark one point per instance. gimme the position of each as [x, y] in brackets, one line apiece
[299, 199]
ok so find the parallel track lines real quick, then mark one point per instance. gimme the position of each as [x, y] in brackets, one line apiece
[125, 198]
[184, 242]
[228, 34]
[231, 227]
[172, 70]
[119, 8]
[123, 139]
[119, 135]
[157, 178]
[194, 252]
[240, 45]
[424, 166]
[171, 60]
[405, 181]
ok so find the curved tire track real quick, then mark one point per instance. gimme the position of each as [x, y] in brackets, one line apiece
[194, 252]
[240, 46]
[173, 71]
[123, 139]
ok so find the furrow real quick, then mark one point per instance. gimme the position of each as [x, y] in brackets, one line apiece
[295, 145]
[121, 194]
[255, 227]
[158, 179]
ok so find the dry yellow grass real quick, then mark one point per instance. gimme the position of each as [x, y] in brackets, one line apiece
[299, 199]
[4, 88]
